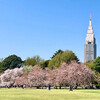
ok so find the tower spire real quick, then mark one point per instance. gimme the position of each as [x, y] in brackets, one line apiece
[90, 23]
[90, 35]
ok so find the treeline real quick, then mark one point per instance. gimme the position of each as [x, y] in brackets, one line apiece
[59, 57]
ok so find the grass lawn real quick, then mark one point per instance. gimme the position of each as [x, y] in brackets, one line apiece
[43, 94]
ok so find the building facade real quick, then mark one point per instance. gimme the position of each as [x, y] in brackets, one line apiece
[90, 44]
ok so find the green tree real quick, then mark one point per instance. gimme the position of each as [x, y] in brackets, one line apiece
[55, 62]
[33, 61]
[89, 64]
[57, 52]
[11, 62]
[44, 64]
[66, 56]
[96, 65]
[1, 68]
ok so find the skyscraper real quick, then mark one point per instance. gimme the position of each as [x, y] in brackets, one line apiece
[90, 44]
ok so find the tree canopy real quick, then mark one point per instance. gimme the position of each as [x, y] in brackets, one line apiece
[89, 64]
[96, 65]
[11, 62]
[44, 64]
[66, 56]
[57, 52]
[33, 61]
[73, 74]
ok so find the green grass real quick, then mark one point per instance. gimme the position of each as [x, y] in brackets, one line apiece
[43, 94]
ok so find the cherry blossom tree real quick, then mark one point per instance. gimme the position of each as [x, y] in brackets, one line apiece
[9, 76]
[73, 74]
[37, 77]
[23, 80]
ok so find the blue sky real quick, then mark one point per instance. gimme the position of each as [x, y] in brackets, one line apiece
[41, 27]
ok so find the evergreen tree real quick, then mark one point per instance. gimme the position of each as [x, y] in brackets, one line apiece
[11, 62]
[97, 64]
[57, 52]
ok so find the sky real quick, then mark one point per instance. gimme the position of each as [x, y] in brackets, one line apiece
[41, 27]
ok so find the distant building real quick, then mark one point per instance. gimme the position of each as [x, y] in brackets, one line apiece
[90, 44]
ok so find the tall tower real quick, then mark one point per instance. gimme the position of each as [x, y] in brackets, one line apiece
[90, 44]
